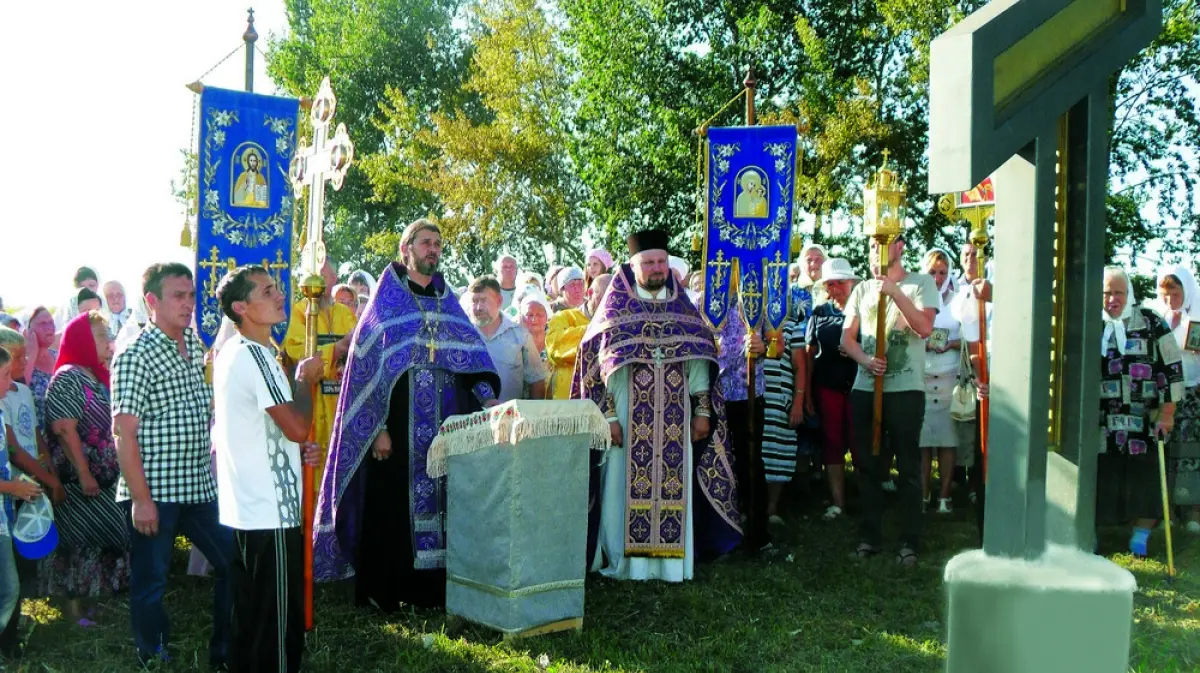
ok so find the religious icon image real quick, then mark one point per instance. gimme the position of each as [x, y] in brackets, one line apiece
[250, 185]
[1192, 342]
[752, 195]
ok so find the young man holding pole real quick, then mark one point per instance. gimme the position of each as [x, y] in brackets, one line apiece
[910, 302]
[261, 422]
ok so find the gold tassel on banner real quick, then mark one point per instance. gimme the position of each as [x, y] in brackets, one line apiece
[185, 236]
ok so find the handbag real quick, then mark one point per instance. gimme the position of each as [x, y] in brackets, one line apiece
[962, 399]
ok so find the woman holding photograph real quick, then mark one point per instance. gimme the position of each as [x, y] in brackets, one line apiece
[942, 360]
[1179, 305]
[1141, 373]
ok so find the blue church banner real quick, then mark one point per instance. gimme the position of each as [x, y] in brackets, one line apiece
[751, 184]
[246, 205]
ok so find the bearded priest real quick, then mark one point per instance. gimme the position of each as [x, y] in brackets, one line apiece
[649, 361]
[415, 360]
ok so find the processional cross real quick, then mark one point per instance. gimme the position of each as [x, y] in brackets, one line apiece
[327, 159]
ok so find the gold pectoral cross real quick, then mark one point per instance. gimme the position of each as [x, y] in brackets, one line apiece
[432, 348]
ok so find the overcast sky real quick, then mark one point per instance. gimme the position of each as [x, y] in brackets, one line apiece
[94, 115]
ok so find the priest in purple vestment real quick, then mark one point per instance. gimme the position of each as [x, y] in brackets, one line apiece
[648, 359]
[415, 360]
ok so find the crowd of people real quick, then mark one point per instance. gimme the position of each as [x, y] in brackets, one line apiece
[116, 412]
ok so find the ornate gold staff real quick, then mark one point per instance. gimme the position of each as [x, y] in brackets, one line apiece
[327, 159]
[977, 216]
[884, 210]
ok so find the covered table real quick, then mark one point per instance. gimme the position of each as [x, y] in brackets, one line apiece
[517, 512]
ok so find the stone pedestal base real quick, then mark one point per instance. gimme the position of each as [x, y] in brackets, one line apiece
[1067, 611]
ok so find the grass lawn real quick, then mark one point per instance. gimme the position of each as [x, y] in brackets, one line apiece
[813, 610]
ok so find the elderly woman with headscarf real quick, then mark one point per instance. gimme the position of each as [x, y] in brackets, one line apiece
[92, 558]
[568, 282]
[1179, 305]
[811, 259]
[362, 282]
[943, 360]
[534, 312]
[363, 285]
[1141, 373]
[345, 295]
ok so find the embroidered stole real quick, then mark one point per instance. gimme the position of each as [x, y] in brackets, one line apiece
[656, 473]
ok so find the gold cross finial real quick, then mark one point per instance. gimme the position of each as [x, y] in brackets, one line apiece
[886, 153]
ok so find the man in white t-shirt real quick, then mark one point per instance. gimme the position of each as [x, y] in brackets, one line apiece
[912, 303]
[260, 422]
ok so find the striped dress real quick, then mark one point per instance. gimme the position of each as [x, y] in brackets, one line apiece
[92, 557]
[779, 438]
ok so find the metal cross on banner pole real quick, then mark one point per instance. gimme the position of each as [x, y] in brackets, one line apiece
[327, 159]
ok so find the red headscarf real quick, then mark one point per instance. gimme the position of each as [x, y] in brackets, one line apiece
[78, 347]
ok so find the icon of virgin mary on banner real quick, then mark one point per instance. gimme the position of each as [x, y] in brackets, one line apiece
[750, 196]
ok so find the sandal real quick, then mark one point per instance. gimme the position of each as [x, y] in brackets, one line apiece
[865, 551]
[907, 557]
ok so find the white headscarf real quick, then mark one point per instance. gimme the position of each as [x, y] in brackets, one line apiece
[679, 265]
[950, 285]
[534, 298]
[1116, 326]
[1191, 292]
[566, 275]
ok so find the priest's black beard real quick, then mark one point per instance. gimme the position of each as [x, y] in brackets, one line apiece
[654, 285]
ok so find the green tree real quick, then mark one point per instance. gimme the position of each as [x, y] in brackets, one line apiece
[1155, 143]
[499, 170]
[368, 48]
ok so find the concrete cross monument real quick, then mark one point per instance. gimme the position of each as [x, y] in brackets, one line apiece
[1019, 89]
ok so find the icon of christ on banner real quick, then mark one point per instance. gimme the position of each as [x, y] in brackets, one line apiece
[250, 189]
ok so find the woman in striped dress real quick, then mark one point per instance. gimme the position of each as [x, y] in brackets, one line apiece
[92, 558]
[783, 391]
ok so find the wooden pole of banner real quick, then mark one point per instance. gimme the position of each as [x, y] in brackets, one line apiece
[752, 449]
[250, 37]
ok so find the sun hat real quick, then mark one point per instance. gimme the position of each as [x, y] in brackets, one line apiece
[836, 268]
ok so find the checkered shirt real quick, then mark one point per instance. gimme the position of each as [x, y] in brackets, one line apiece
[173, 404]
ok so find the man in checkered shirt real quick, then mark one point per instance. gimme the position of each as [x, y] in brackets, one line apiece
[161, 409]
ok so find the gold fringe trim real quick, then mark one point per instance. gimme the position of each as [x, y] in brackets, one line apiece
[515, 422]
[654, 553]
